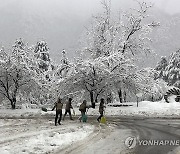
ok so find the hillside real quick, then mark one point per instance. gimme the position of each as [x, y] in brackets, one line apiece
[61, 25]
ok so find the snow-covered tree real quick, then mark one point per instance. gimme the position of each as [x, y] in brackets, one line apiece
[172, 71]
[120, 74]
[135, 30]
[160, 68]
[19, 51]
[64, 67]
[12, 78]
[128, 34]
[112, 41]
[169, 71]
[42, 54]
[155, 89]
[101, 35]
[3, 55]
[24, 55]
[19, 72]
[45, 74]
[88, 76]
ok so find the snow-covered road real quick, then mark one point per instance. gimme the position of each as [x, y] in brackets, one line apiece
[40, 136]
[105, 141]
[111, 139]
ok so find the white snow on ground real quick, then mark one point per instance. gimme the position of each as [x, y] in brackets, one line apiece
[37, 136]
[28, 131]
[145, 108]
[115, 141]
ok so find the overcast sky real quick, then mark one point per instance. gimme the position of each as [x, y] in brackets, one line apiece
[170, 6]
[59, 22]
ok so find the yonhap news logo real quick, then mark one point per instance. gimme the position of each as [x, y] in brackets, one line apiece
[132, 142]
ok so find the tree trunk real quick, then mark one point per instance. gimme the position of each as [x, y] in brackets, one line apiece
[124, 96]
[96, 99]
[120, 95]
[137, 101]
[152, 98]
[13, 103]
[92, 99]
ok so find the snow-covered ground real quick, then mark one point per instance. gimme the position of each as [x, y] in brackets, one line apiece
[147, 109]
[28, 131]
[37, 136]
[144, 109]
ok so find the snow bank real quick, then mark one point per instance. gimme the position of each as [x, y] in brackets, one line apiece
[147, 109]
[144, 109]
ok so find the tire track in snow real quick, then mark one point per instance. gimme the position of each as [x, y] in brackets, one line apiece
[101, 132]
[28, 135]
[12, 133]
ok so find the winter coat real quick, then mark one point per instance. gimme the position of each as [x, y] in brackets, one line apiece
[58, 105]
[68, 105]
[101, 107]
[82, 107]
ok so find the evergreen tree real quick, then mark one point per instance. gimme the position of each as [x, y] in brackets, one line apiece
[172, 71]
[160, 69]
[65, 64]
[42, 54]
[64, 60]
[3, 54]
[64, 67]
[19, 51]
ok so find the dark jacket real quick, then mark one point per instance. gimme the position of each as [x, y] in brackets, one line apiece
[68, 105]
[101, 107]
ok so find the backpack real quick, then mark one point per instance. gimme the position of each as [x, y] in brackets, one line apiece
[81, 107]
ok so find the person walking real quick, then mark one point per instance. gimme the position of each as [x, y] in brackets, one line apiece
[58, 105]
[83, 108]
[101, 109]
[68, 109]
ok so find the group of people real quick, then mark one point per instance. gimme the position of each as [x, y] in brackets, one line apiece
[58, 106]
[82, 108]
